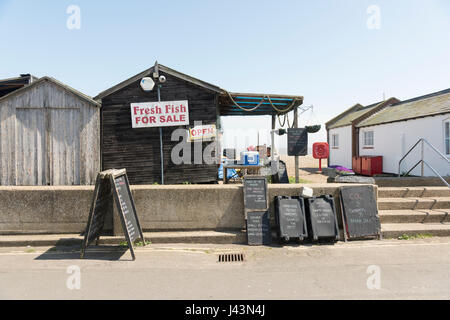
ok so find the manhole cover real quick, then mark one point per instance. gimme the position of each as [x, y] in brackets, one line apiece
[231, 257]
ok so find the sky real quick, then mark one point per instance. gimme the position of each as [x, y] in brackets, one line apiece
[335, 53]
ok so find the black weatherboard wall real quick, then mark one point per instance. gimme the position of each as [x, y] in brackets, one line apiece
[138, 150]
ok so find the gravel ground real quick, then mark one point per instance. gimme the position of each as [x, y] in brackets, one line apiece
[308, 168]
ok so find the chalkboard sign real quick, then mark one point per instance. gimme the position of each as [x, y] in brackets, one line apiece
[281, 176]
[258, 228]
[127, 210]
[255, 193]
[112, 184]
[297, 142]
[100, 208]
[290, 217]
[360, 212]
[322, 221]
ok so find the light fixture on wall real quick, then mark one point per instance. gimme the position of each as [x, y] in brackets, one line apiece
[147, 84]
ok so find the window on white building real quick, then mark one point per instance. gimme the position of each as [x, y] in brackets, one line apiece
[447, 137]
[368, 139]
[335, 141]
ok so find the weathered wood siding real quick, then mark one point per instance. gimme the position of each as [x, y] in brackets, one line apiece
[138, 150]
[49, 136]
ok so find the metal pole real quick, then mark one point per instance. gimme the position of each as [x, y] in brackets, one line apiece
[273, 166]
[423, 154]
[272, 147]
[161, 141]
[297, 174]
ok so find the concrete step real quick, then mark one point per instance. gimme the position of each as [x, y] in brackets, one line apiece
[395, 230]
[414, 216]
[410, 181]
[200, 237]
[416, 192]
[413, 203]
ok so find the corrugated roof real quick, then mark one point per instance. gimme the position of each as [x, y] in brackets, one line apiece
[257, 104]
[11, 84]
[350, 117]
[432, 104]
[58, 83]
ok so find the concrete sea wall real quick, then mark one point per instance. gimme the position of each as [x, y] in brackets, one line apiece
[48, 210]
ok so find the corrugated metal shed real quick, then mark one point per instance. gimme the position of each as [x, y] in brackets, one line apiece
[49, 135]
[424, 106]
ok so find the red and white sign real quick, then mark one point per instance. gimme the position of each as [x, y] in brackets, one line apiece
[205, 132]
[159, 114]
[321, 150]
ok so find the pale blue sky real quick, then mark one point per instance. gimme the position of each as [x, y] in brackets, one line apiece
[321, 49]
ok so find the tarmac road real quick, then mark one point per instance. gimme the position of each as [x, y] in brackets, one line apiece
[413, 269]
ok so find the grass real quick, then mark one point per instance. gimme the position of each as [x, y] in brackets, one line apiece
[416, 236]
[30, 250]
[136, 244]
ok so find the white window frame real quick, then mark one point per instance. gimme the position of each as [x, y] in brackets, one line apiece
[368, 142]
[335, 141]
[447, 138]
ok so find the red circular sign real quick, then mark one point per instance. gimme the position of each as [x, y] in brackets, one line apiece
[321, 150]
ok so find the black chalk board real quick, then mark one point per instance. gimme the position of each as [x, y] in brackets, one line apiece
[126, 206]
[258, 228]
[322, 219]
[297, 142]
[112, 184]
[100, 207]
[98, 210]
[360, 211]
[290, 217]
[281, 176]
[255, 193]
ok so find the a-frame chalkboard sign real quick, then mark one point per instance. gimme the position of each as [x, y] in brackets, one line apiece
[112, 184]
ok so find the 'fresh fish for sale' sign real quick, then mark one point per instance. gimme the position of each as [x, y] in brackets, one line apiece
[159, 114]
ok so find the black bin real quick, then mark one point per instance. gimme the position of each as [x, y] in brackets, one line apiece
[290, 218]
[321, 219]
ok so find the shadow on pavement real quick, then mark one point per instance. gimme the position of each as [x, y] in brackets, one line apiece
[61, 251]
[313, 170]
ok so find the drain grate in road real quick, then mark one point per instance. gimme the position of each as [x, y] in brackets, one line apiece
[231, 257]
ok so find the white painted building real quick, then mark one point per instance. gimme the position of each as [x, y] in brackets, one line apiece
[341, 146]
[390, 129]
[341, 130]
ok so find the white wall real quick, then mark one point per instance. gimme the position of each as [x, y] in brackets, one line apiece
[393, 141]
[343, 155]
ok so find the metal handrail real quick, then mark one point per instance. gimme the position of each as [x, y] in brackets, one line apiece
[422, 161]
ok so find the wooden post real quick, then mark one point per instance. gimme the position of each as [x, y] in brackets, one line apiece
[297, 177]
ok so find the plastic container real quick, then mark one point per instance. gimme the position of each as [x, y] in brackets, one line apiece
[356, 165]
[250, 158]
[372, 165]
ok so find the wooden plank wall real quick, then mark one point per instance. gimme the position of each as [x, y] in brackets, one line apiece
[49, 136]
[138, 150]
